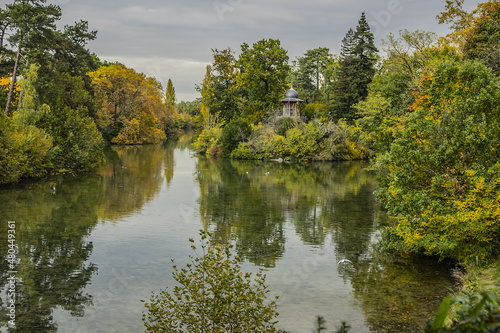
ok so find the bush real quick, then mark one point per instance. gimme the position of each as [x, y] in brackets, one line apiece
[24, 152]
[236, 131]
[141, 130]
[343, 142]
[206, 142]
[284, 124]
[213, 295]
[304, 141]
[317, 141]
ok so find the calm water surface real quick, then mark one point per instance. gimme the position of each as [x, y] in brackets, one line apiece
[91, 247]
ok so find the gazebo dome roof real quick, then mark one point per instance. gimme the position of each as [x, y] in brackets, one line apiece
[291, 93]
[291, 96]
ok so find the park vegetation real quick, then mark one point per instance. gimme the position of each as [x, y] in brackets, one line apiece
[63, 104]
[427, 113]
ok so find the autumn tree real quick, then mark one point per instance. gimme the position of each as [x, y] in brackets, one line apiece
[130, 104]
[440, 177]
[356, 70]
[263, 76]
[409, 57]
[462, 23]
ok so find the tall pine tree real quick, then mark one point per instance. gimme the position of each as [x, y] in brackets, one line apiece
[356, 69]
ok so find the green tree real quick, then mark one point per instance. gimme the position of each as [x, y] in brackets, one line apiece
[170, 98]
[32, 23]
[236, 131]
[310, 76]
[192, 108]
[219, 92]
[223, 90]
[212, 295]
[441, 175]
[205, 88]
[356, 70]
[482, 42]
[64, 64]
[263, 76]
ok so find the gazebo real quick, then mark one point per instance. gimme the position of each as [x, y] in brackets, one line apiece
[290, 104]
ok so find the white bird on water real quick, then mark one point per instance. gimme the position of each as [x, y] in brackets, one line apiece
[267, 173]
[343, 261]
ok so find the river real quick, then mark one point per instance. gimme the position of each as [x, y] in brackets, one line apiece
[92, 246]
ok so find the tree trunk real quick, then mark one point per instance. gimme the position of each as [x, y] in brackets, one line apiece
[13, 82]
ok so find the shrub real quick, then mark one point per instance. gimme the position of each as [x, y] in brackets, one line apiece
[304, 141]
[141, 130]
[284, 124]
[343, 142]
[207, 140]
[24, 152]
[236, 131]
[212, 295]
[80, 144]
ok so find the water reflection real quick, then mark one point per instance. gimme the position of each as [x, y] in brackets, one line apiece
[53, 220]
[251, 204]
[133, 176]
[291, 218]
[399, 294]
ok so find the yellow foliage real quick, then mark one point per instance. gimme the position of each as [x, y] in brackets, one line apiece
[5, 83]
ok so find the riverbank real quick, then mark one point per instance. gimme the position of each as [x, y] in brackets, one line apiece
[470, 302]
[286, 138]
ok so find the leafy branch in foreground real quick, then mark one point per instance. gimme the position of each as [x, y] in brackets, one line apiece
[475, 313]
[212, 295]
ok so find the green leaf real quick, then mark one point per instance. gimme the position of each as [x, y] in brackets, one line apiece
[441, 313]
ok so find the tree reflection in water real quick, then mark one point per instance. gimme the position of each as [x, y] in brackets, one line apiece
[252, 203]
[259, 206]
[55, 217]
[52, 223]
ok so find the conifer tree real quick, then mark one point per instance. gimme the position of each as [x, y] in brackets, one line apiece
[356, 69]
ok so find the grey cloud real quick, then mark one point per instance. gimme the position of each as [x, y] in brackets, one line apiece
[179, 35]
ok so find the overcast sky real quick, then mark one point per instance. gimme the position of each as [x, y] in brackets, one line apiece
[174, 38]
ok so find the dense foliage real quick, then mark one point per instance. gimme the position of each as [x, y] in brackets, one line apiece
[356, 69]
[130, 105]
[212, 295]
[55, 118]
[441, 174]
[235, 132]
[47, 120]
[285, 138]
